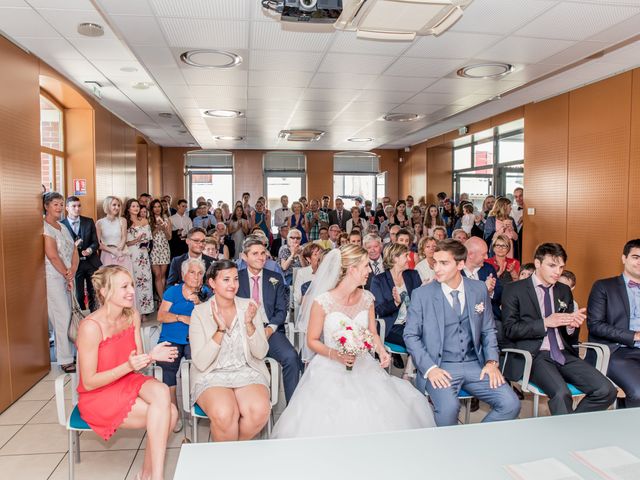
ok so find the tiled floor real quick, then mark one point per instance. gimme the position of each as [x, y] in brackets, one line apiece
[33, 446]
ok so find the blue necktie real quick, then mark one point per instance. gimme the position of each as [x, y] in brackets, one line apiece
[554, 348]
[457, 307]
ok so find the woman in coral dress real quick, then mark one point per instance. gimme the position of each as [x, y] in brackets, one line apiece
[111, 392]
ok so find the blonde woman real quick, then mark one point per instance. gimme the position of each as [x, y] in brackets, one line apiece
[112, 235]
[425, 267]
[112, 394]
[500, 222]
[331, 399]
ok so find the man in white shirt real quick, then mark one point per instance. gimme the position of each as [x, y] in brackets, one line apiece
[517, 213]
[180, 224]
[282, 214]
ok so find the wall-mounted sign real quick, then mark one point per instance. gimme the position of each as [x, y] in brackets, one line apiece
[79, 186]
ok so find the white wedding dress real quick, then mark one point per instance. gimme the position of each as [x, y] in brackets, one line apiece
[330, 400]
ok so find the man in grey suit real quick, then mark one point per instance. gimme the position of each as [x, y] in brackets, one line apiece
[451, 335]
[339, 216]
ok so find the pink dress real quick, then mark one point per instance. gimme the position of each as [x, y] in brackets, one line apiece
[105, 408]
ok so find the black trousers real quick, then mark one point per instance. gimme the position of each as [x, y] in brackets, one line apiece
[83, 278]
[552, 378]
[395, 335]
[624, 370]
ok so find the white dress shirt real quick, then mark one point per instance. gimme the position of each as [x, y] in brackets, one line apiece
[280, 216]
[264, 312]
[516, 214]
[181, 222]
[379, 263]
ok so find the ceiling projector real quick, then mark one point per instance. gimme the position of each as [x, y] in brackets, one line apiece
[308, 11]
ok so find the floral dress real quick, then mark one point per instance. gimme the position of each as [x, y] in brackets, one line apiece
[160, 253]
[142, 278]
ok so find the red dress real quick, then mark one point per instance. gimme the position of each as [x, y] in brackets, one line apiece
[105, 408]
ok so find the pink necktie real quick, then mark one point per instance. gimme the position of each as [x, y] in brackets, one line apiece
[255, 295]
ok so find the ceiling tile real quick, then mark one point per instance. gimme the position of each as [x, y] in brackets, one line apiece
[423, 67]
[99, 49]
[271, 36]
[197, 76]
[140, 30]
[499, 16]
[381, 96]
[125, 7]
[218, 91]
[400, 84]
[579, 21]
[451, 45]
[326, 94]
[293, 78]
[420, 108]
[66, 4]
[195, 33]
[524, 49]
[56, 48]
[275, 92]
[155, 57]
[168, 75]
[269, 60]
[66, 22]
[342, 62]
[334, 106]
[431, 98]
[24, 22]
[348, 42]
[341, 80]
[457, 86]
[201, 8]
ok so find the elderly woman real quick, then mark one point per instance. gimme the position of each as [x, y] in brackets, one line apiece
[425, 267]
[175, 316]
[311, 254]
[356, 221]
[229, 379]
[508, 268]
[290, 255]
[392, 290]
[61, 262]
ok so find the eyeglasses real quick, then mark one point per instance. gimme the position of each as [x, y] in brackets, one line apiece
[197, 241]
[501, 245]
[295, 238]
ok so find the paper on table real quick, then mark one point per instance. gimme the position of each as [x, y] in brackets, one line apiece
[546, 469]
[612, 463]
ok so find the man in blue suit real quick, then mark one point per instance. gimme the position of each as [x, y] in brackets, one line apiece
[614, 319]
[268, 290]
[451, 337]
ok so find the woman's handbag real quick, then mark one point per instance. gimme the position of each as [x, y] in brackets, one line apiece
[76, 317]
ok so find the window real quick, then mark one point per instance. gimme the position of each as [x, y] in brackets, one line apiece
[52, 156]
[210, 175]
[357, 174]
[284, 174]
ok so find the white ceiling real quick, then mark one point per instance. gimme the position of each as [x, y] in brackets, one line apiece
[325, 80]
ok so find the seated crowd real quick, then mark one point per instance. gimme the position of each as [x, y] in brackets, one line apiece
[224, 282]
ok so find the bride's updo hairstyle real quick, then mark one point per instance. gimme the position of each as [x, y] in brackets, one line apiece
[350, 256]
[103, 280]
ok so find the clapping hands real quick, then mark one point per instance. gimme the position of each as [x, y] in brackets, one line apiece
[138, 362]
[163, 352]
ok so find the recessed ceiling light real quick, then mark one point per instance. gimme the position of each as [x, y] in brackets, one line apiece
[89, 29]
[402, 117]
[223, 113]
[208, 58]
[360, 139]
[485, 70]
[165, 115]
[129, 69]
[236, 138]
[142, 85]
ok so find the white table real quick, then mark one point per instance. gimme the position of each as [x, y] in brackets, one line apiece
[470, 452]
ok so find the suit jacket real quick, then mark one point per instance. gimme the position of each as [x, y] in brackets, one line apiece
[87, 233]
[609, 313]
[275, 246]
[274, 295]
[382, 289]
[523, 323]
[424, 330]
[175, 269]
[496, 302]
[333, 218]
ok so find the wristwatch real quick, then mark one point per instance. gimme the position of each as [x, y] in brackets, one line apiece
[492, 362]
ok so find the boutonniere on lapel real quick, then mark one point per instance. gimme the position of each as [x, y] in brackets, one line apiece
[274, 281]
[562, 306]
[479, 308]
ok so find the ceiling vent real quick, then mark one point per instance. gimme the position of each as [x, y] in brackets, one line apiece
[301, 135]
[399, 20]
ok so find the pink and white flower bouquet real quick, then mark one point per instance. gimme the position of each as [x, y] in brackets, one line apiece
[353, 341]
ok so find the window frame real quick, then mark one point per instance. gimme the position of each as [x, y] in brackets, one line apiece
[57, 155]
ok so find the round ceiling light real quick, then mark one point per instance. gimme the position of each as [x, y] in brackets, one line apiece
[402, 117]
[234, 138]
[485, 70]
[223, 113]
[207, 58]
[360, 139]
[142, 85]
[89, 29]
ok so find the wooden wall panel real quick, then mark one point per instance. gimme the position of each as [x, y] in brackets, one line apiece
[104, 173]
[154, 169]
[142, 165]
[418, 183]
[117, 159]
[389, 163]
[598, 167]
[130, 177]
[633, 215]
[439, 172]
[545, 180]
[173, 172]
[79, 141]
[404, 175]
[319, 174]
[24, 323]
[248, 173]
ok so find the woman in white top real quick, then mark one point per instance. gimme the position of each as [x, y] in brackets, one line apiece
[426, 249]
[112, 235]
[356, 221]
[311, 253]
[138, 238]
[61, 262]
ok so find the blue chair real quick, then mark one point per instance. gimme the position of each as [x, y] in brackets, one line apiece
[196, 412]
[391, 348]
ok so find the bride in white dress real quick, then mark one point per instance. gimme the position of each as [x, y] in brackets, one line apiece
[331, 400]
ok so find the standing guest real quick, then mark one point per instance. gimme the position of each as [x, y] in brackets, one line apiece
[373, 245]
[526, 271]
[175, 316]
[487, 205]
[367, 212]
[334, 234]
[404, 237]
[416, 216]
[451, 337]
[167, 211]
[518, 216]
[246, 205]
[355, 220]
[392, 290]
[281, 215]
[212, 249]
[225, 240]
[400, 217]
[297, 221]
[315, 218]
[194, 211]
[160, 253]
[261, 218]
[195, 243]
[144, 199]
[268, 291]
[226, 212]
[143, 213]
[311, 254]
[425, 267]
[460, 235]
[138, 238]
[290, 255]
[305, 204]
[283, 231]
[442, 196]
[614, 319]
[432, 219]
[111, 394]
[508, 268]
[324, 241]
[112, 235]
[440, 233]
[180, 225]
[238, 229]
[324, 204]
[449, 216]
[409, 200]
[83, 232]
[387, 224]
[203, 218]
[218, 216]
[500, 222]
[61, 264]
[355, 237]
[168, 200]
[538, 316]
[339, 216]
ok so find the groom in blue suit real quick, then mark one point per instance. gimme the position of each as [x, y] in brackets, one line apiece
[451, 335]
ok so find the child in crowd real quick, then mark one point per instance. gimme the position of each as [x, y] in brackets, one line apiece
[468, 218]
[569, 279]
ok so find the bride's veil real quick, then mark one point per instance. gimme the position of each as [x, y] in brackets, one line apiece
[325, 279]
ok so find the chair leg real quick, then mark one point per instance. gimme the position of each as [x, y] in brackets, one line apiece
[71, 455]
[194, 429]
[77, 442]
[467, 411]
[536, 405]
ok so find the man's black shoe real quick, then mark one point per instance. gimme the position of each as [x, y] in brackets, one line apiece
[397, 361]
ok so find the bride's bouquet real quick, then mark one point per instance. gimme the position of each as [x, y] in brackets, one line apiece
[353, 342]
